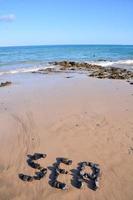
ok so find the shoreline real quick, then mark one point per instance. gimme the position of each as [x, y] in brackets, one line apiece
[92, 70]
[103, 65]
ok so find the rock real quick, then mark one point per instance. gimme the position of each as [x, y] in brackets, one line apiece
[68, 76]
[72, 63]
[96, 70]
[101, 60]
[72, 69]
[5, 83]
[44, 71]
[112, 73]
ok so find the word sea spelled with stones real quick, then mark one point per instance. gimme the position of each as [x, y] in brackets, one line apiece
[79, 175]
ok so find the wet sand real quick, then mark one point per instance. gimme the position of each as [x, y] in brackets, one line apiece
[82, 118]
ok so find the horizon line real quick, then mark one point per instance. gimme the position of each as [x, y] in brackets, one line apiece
[30, 45]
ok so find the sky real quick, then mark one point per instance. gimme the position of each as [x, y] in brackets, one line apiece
[49, 22]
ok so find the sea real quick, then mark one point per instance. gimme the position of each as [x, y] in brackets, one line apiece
[24, 59]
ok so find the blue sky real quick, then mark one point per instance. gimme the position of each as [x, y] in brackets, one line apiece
[32, 22]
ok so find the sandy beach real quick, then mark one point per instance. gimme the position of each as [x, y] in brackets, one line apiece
[80, 117]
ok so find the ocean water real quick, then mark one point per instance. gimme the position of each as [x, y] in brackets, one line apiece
[26, 58]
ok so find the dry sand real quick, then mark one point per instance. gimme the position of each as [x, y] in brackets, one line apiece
[82, 118]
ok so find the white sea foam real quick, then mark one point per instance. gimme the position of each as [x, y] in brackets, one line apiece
[128, 64]
[113, 63]
[24, 70]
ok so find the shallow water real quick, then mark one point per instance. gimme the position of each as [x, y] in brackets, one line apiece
[25, 59]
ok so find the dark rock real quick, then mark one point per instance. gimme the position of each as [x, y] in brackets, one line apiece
[68, 76]
[5, 83]
[101, 60]
[44, 71]
[72, 69]
[37, 156]
[39, 175]
[59, 185]
[72, 63]
[96, 70]
[65, 161]
[24, 177]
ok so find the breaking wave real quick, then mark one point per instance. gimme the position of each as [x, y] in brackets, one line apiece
[120, 63]
[23, 70]
[127, 64]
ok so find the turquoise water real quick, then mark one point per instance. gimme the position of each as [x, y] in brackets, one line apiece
[22, 59]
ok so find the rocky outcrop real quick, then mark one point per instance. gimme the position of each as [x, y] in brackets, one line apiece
[64, 65]
[96, 70]
[92, 70]
[112, 73]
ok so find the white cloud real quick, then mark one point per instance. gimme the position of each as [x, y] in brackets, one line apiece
[7, 18]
